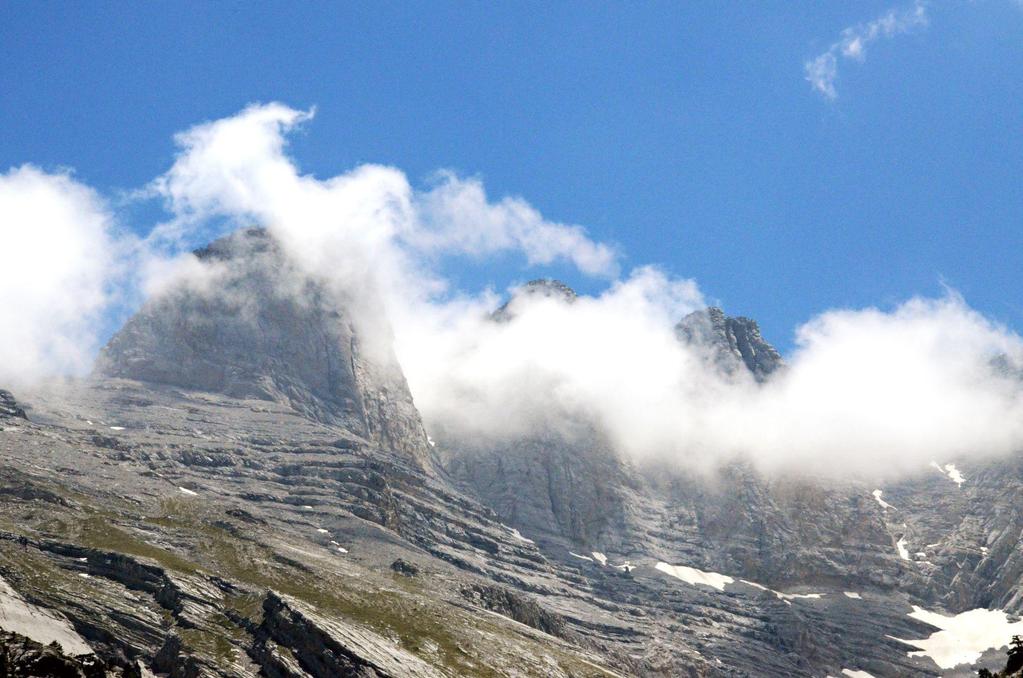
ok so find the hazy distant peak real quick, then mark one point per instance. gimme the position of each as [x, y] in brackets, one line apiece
[545, 288]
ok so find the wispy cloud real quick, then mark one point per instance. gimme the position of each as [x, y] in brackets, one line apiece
[822, 70]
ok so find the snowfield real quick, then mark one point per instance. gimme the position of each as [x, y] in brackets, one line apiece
[691, 575]
[963, 638]
[950, 471]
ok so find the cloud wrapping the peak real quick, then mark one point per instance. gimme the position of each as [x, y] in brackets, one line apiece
[822, 70]
[867, 391]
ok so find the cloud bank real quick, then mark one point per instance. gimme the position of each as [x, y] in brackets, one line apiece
[822, 70]
[866, 391]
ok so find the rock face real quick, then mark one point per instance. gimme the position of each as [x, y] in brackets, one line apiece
[258, 327]
[735, 342]
[243, 489]
[569, 489]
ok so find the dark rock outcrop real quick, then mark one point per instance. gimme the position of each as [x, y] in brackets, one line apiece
[515, 606]
[9, 406]
[22, 657]
[405, 568]
[327, 648]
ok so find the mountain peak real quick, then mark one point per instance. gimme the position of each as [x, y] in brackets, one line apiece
[735, 341]
[543, 288]
[547, 287]
[256, 326]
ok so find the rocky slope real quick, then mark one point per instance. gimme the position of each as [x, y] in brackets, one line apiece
[245, 488]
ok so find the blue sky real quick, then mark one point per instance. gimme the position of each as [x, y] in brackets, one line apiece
[689, 136]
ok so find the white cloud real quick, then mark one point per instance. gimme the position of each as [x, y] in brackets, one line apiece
[822, 70]
[866, 392]
[57, 260]
[457, 216]
[237, 167]
[367, 229]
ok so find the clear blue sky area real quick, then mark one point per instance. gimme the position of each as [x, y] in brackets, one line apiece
[686, 133]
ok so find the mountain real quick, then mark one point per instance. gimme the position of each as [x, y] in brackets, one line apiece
[244, 487]
[257, 328]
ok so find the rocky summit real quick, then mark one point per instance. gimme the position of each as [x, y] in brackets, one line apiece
[734, 343]
[244, 487]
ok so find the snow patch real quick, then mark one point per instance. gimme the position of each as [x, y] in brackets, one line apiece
[116, 428]
[342, 550]
[599, 557]
[576, 555]
[852, 594]
[190, 493]
[901, 546]
[885, 505]
[322, 531]
[856, 674]
[963, 638]
[950, 471]
[691, 575]
[778, 594]
[430, 440]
